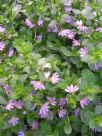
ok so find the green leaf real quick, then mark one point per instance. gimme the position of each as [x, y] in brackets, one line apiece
[67, 129]
[98, 109]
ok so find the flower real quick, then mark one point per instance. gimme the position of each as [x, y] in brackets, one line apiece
[83, 51]
[2, 46]
[84, 102]
[52, 100]
[67, 33]
[62, 102]
[40, 21]
[29, 23]
[55, 78]
[37, 85]
[52, 28]
[81, 27]
[44, 110]
[99, 29]
[10, 52]
[76, 42]
[35, 125]
[76, 111]
[7, 88]
[13, 121]
[2, 28]
[19, 104]
[68, 9]
[96, 67]
[21, 133]
[47, 74]
[62, 113]
[10, 105]
[72, 89]
[69, 20]
[38, 38]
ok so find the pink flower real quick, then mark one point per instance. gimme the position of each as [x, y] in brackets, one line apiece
[72, 89]
[29, 23]
[99, 29]
[81, 27]
[84, 102]
[40, 21]
[62, 102]
[37, 85]
[19, 104]
[83, 51]
[2, 29]
[55, 78]
[35, 125]
[62, 113]
[76, 42]
[52, 101]
[67, 33]
[2, 46]
[44, 110]
[10, 105]
[13, 121]
[10, 52]
[68, 9]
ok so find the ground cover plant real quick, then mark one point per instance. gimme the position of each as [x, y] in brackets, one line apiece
[50, 67]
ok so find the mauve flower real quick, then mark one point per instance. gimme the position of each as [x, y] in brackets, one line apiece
[52, 100]
[29, 23]
[96, 67]
[99, 29]
[76, 112]
[40, 21]
[2, 46]
[13, 121]
[21, 133]
[35, 125]
[2, 28]
[10, 105]
[67, 33]
[83, 51]
[10, 52]
[7, 88]
[84, 102]
[69, 20]
[39, 38]
[44, 110]
[68, 9]
[55, 78]
[72, 89]
[62, 102]
[62, 113]
[95, 130]
[83, 28]
[37, 85]
[76, 42]
[52, 28]
[19, 104]
[47, 74]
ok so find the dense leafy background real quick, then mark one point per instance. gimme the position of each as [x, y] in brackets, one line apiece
[30, 56]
